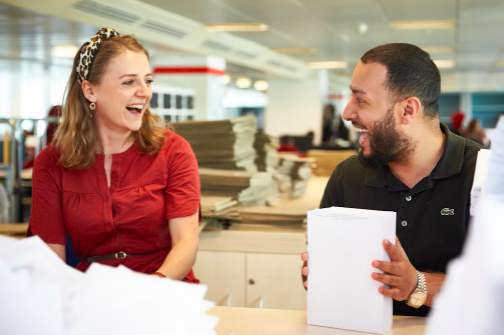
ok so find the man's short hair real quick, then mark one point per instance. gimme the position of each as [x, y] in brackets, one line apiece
[410, 73]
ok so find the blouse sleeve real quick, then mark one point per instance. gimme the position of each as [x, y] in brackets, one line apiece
[183, 186]
[46, 218]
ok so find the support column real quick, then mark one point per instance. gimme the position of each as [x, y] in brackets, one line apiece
[202, 74]
[295, 106]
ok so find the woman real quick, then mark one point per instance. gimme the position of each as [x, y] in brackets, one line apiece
[476, 133]
[124, 189]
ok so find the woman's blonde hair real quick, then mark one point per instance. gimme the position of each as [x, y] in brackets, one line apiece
[76, 137]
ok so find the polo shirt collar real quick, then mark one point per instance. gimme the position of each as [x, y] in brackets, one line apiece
[449, 164]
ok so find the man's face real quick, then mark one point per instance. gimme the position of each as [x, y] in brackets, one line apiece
[373, 112]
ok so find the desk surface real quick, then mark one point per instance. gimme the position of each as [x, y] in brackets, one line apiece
[252, 321]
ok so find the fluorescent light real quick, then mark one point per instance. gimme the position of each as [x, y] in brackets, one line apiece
[438, 50]
[226, 79]
[261, 85]
[444, 64]
[243, 82]
[328, 65]
[295, 51]
[422, 24]
[237, 27]
[65, 51]
[362, 28]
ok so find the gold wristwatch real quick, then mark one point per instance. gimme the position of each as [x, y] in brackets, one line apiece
[419, 295]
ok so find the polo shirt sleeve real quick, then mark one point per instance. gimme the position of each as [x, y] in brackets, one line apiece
[183, 186]
[46, 219]
[330, 197]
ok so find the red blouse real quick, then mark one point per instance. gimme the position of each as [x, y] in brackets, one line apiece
[131, 216]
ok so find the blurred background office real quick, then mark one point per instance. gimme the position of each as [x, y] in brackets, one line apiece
[273, 70]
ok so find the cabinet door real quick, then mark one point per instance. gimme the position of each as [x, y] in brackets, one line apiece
[274, 281]
[224, 274]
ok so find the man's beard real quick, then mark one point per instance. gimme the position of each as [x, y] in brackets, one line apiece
[386, 144]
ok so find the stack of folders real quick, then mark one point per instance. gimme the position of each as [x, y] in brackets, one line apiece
[247, 188]
[342, 243]
[298, 170]
[224, 144]
[266, 148]
[41, 295]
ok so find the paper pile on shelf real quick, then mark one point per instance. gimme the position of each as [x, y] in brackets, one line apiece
[249, 189]
[213, 205]
[267, 156]
[41, 295]
[224, 144]
[477, 276]
[286, 217]
[298, 170]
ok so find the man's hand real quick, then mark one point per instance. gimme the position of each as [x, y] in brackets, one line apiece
[399, 274]
[304, 269]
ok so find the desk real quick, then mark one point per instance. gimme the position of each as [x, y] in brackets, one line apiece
[255, 321]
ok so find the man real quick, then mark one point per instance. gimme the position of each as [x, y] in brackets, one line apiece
[408, 163]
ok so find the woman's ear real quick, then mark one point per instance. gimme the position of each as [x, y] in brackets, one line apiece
[88, 91]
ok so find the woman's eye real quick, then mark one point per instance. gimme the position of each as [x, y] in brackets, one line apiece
[129, 82]
[149, 81]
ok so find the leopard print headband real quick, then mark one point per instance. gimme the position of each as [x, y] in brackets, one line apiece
[89, 50]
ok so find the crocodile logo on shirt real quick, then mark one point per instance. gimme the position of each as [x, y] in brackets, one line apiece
[447, 211]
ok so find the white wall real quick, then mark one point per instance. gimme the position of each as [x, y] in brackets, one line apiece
[28, 89]
[295, 107]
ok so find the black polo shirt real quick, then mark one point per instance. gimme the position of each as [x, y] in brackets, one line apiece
[432, 217]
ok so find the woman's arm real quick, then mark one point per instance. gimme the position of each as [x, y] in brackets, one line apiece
[185, 240]
[59, 250]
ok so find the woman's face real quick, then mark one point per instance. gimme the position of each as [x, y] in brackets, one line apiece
[124, 92]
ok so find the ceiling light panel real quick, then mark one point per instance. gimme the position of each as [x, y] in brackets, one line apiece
[328, 65]
[237, 27]
[422, 25]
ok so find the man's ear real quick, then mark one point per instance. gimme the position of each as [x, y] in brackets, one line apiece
[88, 91]
[409, 109]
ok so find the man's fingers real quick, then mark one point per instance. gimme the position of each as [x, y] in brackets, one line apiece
[395, 252]
[305, 283]
[390, 292]
[304, 271]
[386, 279]
[304, 256]
[387, 267]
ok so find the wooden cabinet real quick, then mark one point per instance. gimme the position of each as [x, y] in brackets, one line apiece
[252, 268]
[274, 281]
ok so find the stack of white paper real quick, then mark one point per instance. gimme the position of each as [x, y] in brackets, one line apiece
[342, 243]
[41, 295]
[470, 301]
[480, 175]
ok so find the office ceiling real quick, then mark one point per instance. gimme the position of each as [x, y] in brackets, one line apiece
[328, 26]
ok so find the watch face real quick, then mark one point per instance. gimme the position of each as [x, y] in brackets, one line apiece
[417, 299]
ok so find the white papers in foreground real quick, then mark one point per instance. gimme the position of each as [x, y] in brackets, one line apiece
[470, 301]
[480, 175]
[39, 294]
[342, 243]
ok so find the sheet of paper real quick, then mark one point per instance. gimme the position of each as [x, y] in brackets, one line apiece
[40, 294]
[342, 243]
[480, 175]
[470, 301]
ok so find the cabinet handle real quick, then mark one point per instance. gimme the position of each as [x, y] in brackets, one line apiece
[251, 281]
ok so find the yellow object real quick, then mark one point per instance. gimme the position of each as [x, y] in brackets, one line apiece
[6, 148]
